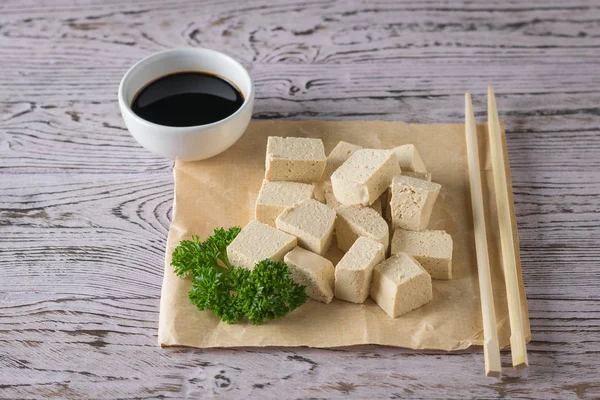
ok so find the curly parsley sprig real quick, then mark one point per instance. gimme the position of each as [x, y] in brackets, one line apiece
[231, 293]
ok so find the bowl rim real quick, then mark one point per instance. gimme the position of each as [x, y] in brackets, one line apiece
[125, 107]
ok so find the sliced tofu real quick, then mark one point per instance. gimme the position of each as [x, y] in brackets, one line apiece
[426, 176]
[340, 153]
[257, 242]
[412, 202]
[295, 159]
[400, 284]
[432, 249]
[364, 176]
[353, 222]
[354, 271]
[409, 158]
[275, 197]
[313, 271]
[311, 222]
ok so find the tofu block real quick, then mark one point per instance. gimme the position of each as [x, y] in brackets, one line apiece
[332, 202]
[400, 285]
[295, 159]
[275, 197]
[354, 271]
[257, 242]
[364, 176]
[412, 202]
[426, 176]
[311, 222]
[353, 222]
[432, 249]
[313, 271]
[340, 153]
[387, 213]
[409, 158]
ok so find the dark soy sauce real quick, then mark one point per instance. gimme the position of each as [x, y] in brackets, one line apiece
[187, 99]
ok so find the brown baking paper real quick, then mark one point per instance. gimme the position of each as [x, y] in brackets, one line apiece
[221, 191]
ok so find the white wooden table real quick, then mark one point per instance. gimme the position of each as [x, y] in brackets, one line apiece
[84, 210]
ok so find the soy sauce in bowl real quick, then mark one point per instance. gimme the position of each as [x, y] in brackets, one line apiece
[187, 99]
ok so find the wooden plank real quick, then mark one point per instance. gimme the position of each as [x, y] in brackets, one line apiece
[59, 227]
[321, 31]
[57, 135]
[90, 366]
[119, 222]
[302, 82]
[49, 218]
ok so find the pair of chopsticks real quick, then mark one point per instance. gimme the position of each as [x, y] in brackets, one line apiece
[491, 347]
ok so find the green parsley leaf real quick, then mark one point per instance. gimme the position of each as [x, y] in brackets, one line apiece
[231, 293]
[269, 293]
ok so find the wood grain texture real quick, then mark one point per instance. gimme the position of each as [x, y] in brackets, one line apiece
[84, 211]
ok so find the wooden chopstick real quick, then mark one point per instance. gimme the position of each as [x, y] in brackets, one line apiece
[518, 346]
[491, 348]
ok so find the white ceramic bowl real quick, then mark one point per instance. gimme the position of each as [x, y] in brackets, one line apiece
[192, 142]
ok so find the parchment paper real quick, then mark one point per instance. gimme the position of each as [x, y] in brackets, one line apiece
[221, 191]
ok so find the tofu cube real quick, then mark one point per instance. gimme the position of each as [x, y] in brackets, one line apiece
[426, 176]
[354, 271]
[409, 158]
[295, 159]
[257, 242]
[400, 285]
[432, 249]
[412, 202]
[364, 176]
[353, 222]
[311, 222]
[340, 153]
[275, 197]
[387, 195]
[313, 271]
[332, 202]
